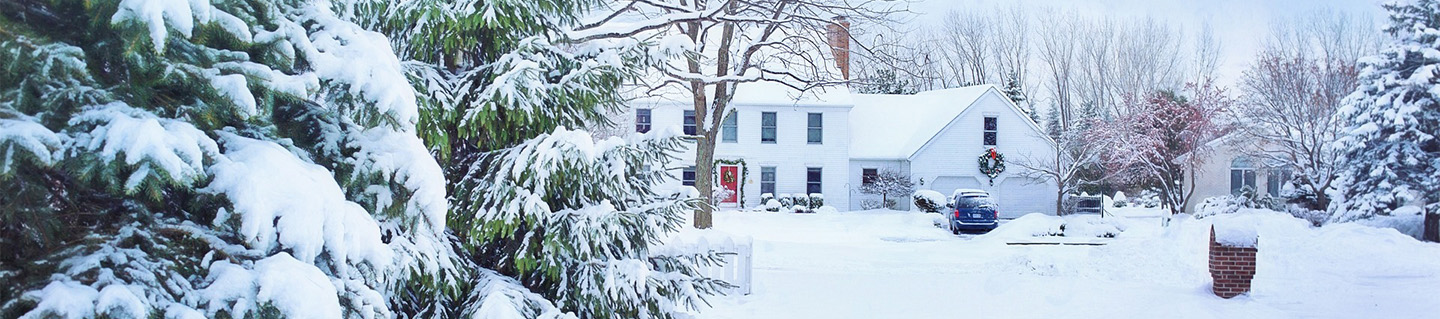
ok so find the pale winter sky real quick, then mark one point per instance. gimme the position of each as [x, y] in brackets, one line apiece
[1239, 24]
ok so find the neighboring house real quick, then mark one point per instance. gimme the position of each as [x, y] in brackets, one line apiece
[1229, 170]
[781, 142]
[938, 137]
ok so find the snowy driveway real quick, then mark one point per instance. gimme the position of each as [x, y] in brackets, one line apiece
[885, 264]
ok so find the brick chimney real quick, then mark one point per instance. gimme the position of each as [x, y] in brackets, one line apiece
[838, 33]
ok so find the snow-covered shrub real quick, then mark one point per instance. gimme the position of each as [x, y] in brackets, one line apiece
[816, 200]
[772, 205]
[871, 204]
[786, 200]
[1229, 204]
[1119, 200]
[800, 200]
[826, 210]
[766, 198]
[719, 194]
[798, 209]
[929, 201]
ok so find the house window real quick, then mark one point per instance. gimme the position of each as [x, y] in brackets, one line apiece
[687, 176]
[991, 126]
[767, 180]
[1275, 181]
[812, 180]
[690, 122]
[729, 130]
[767, 127]
[816, 128]
[1242, 175]
[868, 176]
[642, 120]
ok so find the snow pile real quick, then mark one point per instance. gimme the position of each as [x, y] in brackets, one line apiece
[1093, 226]
[1030, 225]
[1236, 232]
[1041, 225]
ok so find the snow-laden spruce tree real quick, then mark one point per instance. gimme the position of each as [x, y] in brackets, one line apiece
[199, 159]
[572, 218]
[1392, 152]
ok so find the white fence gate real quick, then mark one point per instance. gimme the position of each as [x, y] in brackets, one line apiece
[737, 255]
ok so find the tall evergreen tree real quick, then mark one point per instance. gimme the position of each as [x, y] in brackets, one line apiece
[1392, 152]
[575, 220]
[188, 159]
[1016, 92]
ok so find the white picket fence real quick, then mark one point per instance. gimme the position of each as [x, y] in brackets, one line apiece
[736, 269]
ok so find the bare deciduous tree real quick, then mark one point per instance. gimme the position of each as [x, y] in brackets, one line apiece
[1290, 95]
[731, 42]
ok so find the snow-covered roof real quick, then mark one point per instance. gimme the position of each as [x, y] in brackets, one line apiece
[753, 93]
[887, 126]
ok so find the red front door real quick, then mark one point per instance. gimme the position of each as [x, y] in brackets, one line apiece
[730, 180]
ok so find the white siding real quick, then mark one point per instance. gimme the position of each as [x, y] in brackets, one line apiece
[948, 161]
[790, 155]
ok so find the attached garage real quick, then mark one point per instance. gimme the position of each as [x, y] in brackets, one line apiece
[1019, 196]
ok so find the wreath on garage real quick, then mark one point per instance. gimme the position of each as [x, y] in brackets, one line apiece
[992, 163]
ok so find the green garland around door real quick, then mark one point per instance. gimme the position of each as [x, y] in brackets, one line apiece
[744, 176]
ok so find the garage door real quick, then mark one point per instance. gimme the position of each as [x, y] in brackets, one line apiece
[1019, 196]
[948, 184]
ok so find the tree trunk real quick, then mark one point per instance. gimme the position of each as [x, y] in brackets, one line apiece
[1432, 225]
[1060, 203]
[704, 182]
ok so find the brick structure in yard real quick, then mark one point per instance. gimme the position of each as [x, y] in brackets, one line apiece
[1232, 268]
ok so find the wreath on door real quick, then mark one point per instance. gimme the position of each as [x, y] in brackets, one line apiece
[727, 177]
[992, 163]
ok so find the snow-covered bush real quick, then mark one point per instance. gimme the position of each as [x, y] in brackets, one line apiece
[816, 200]
[798, 209]
[929, 201]
[1119, 200]
[772, 205]
[800, 200]
[1229, 204]
[826, 210]
[766, 198]
[868, 204]
[720, 194]
[786, 200]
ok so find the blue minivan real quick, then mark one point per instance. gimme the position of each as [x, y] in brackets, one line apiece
[972, 210]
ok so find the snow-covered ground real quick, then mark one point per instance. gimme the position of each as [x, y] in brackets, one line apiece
[890, 264]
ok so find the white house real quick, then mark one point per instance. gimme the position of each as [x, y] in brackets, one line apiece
[938, 137]
[782, 142]
[1232, 167]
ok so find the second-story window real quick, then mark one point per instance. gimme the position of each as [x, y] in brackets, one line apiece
[689, 122]
[729, 130]
[816, 128]
[767, 127]
[992, 126]
[642, 120]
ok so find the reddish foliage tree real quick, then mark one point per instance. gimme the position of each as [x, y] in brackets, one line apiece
[1163, 137]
